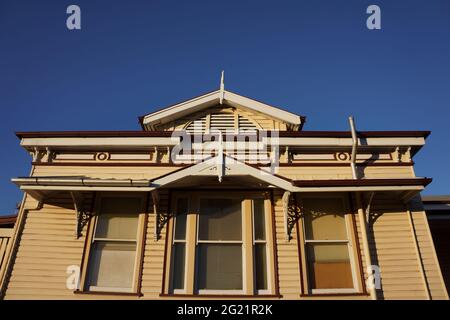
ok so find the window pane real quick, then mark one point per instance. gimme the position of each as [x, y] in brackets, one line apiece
[118, 218]
[220, 219]
[219, 267]
[329, 266]
[258, 219]
[324, 219]
[112, 265]
[179, 254]
[260, 266]
[180, 220]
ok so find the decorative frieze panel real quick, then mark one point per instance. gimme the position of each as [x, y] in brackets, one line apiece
[339, 156]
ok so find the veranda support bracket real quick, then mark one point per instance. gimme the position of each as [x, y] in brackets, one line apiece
[291, 213]
[161, 219]
[82, 216]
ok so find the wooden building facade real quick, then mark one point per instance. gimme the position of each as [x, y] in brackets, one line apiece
[222, 196]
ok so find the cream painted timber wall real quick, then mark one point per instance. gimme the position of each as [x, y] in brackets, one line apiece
[391, 242]
[47, 246]
[151, 172]
[337, 172]
[104, 171]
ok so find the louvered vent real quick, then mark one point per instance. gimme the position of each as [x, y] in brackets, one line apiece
[197, 126]
[222, 121]
[245, 124]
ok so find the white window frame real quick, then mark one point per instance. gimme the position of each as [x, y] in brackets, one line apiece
[241, 242]
[190, 275]
[179, 291]
[265, 242]
[350, 250]
[136, 256]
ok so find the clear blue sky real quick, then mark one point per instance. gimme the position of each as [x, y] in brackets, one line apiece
[315, 58]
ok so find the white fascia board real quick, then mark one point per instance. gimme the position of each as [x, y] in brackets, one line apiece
[195, 170]
[247, 103]
[178, 110]
[120, 142]
[357, 188]
[345, 142]
[213, 98]
[233, 168]
[86, 188]
[71, 182]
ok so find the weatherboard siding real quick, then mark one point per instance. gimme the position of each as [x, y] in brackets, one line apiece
[287, 253]
[48, 244]
[152, 172]
[105, 172]
[47, 247]
[392, 248]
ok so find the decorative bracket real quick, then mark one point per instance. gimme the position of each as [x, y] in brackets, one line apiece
[292, 213]
[82, 215]
[161, 219]
[42, 155]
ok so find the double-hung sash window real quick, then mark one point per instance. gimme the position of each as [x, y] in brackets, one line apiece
[328, 247]
[112, 260]
[179, 246]
[260, 246]
[223, 247]
[219, 245]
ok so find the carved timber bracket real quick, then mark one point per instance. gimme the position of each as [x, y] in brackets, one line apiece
[83, 216]
[161, 219]
[292, 212]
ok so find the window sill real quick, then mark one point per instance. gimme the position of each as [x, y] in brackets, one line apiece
[336, 294]
[108, 293]
[220, 296]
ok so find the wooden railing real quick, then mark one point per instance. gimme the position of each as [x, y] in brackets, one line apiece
[5, 248]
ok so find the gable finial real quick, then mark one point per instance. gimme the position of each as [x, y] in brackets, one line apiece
[222, 87]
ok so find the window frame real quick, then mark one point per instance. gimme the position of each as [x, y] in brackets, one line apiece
[173, 241]
[241, 242]
[267, 221]
[90, 240]
[192, 241]
[352, 246]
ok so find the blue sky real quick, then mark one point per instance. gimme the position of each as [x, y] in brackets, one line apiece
[315, 58]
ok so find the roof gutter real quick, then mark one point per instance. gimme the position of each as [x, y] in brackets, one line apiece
[81, 182]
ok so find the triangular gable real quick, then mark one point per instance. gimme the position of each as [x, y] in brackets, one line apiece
[222, 167]
[149, 121]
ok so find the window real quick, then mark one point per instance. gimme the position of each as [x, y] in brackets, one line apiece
[222, 247]
[112, 253]
[328, 247]
[260, 245]
[219, 249]
[179, 245]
